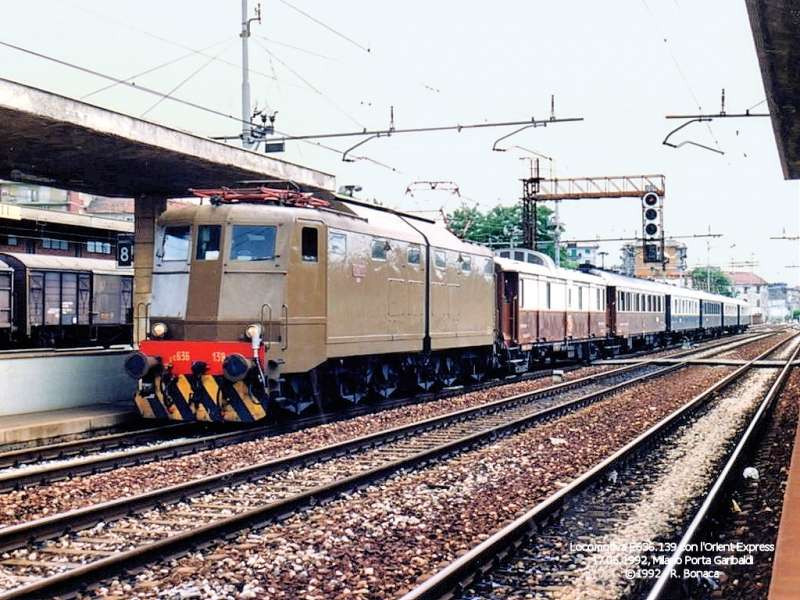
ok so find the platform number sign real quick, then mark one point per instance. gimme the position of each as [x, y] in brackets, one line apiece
[125, 251]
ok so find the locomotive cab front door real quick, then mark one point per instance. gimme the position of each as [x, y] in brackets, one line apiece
[204, 280]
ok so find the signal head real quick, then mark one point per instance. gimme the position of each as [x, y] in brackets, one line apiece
[650, 199]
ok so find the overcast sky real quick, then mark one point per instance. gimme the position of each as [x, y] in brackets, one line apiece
[342, 66]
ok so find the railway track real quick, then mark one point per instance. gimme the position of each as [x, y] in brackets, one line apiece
[49, 463]
[264, 493]
[616, 531]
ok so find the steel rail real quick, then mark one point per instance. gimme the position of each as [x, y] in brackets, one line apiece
[181, 542]
[137, 456]
[664, 584]
[459, 574]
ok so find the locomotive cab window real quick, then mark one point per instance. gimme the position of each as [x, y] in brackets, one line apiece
[175, 244]
[208, 237]
[310, 245]
[253, 242]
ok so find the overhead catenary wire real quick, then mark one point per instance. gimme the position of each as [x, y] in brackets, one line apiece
[154, 69]
[680, 71]
[168, 95]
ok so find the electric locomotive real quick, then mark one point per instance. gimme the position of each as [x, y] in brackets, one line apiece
[265, 300]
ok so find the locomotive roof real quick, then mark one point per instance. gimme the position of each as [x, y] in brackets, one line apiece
[346, 215]
[49, 262]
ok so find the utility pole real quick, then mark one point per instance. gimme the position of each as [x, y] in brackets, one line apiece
[247, 133]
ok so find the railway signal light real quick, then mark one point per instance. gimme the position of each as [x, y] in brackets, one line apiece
[652, 227]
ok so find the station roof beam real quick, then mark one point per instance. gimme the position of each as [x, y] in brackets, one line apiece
[55, 141]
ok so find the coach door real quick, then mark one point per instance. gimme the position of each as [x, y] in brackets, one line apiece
[507, 307]
[611, 309]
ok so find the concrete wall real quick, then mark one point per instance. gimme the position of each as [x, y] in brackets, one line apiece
[44, 381]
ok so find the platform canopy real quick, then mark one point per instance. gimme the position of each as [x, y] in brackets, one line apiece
[58, 142]
[776, 30]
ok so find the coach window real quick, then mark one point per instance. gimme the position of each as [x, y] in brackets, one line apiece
[175, 245]
[439, 259]
[309, 244]
[208, 242]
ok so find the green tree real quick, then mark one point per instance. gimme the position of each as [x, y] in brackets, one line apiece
[502, 227]
[711, 280]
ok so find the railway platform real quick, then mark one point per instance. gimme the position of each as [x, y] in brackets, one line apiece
[22, 428]
[785, 584]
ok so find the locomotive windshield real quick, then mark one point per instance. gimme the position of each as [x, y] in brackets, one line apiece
[175, 245]
[253, 242]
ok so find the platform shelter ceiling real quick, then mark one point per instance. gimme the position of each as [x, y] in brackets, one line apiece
[776, 31]
[59, 142]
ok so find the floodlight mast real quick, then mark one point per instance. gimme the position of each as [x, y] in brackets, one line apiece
[247, 130]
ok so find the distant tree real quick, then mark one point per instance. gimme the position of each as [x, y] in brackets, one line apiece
[711, 280]
[502, 227]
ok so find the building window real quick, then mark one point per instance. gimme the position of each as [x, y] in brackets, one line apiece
[98, 247]
[12, 240]
[54, 244]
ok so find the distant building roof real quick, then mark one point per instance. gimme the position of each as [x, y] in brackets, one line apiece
[107, 206]
[104, 206]
[744, 278]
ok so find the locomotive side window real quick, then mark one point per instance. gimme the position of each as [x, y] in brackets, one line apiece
[414, 254]
[175, 245]
[379, 249]
[253, 242]
[310, 245]
[337, 244]
[208, 237]
[466, 263]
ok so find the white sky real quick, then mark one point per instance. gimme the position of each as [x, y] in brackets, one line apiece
[622, 66]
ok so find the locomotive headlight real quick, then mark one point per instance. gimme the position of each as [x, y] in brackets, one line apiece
[159, 330]
[254, 332]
